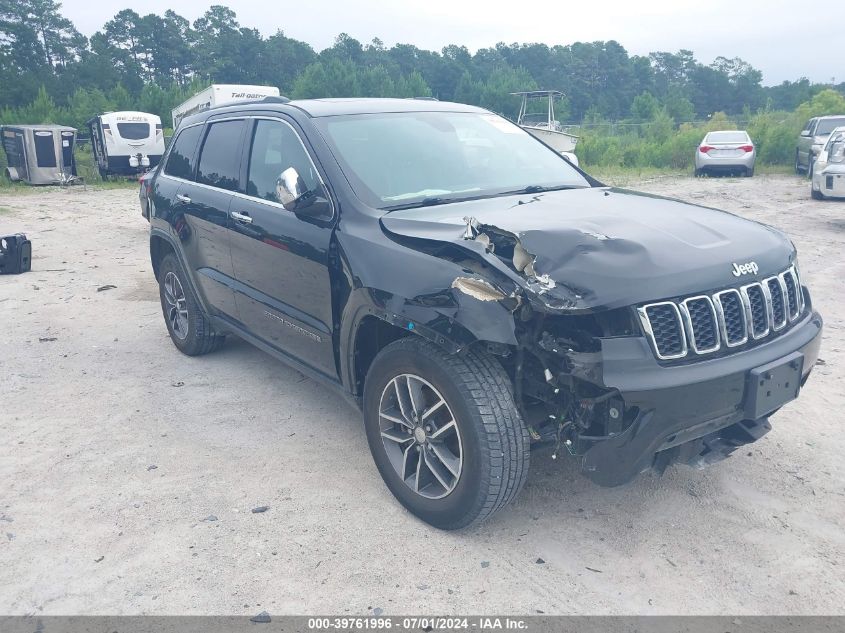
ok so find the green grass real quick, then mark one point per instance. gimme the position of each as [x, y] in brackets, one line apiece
[623, 176]
[15, 188]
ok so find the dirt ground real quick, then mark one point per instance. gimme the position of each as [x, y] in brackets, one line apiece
[128, 471]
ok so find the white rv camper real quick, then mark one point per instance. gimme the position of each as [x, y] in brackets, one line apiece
[126, 143]
[220, 94]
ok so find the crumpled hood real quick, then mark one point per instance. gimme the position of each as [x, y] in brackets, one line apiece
[607, 247]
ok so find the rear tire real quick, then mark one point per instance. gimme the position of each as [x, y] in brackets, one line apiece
[810, 161]
[698, 173]
[749, 172]
[189, 327]
[816, 195]
[488, 455]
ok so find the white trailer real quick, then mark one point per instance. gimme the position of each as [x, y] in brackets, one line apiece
[126, 143]
[220, 94]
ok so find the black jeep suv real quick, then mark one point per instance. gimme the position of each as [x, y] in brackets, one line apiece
[475, 294]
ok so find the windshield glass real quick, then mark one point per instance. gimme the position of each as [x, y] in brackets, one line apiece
[826, 126]
[415, 158]
[727, 137]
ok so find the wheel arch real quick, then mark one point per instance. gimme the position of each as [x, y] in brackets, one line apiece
[370, 323]
[160, 246]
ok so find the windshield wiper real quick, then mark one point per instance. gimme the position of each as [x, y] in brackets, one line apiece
[540, 189]
[436, 200]
[433, 200]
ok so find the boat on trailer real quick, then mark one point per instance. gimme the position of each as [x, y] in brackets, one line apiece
[543, 125]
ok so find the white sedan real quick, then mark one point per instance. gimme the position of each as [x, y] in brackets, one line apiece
[726, 151]
[829, 169]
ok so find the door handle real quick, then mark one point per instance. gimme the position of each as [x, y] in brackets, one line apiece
[241, 217]
[183, 198]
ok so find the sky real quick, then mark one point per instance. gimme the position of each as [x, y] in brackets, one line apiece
[784, 39]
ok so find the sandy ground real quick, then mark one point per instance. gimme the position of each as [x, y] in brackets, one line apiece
[117, 454]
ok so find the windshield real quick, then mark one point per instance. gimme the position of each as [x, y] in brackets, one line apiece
[417, 158]
[727, 137]
[826, 126]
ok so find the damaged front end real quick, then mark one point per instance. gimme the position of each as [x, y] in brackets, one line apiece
[557, 363]
[555, 360]
[572, 350]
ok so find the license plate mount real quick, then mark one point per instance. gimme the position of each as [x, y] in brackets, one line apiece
[771, 386]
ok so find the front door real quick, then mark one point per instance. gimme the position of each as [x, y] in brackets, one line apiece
[281, 260]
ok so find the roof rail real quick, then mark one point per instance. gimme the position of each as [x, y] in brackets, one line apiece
[279, 99]
[424, 98]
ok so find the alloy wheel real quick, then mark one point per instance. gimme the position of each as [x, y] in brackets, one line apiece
[420, 436]
[176, 306]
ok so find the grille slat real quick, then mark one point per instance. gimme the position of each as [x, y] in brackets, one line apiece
[729, 317]
[778, 304]
[667, 330]
[758, 311]
[702, 326]
[791, 294]
[732, 317]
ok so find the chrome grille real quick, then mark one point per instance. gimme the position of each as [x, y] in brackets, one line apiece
[791, 293]
[666, 329]
[776, 292]
[702, 324]
[731, 317]
[758, 309]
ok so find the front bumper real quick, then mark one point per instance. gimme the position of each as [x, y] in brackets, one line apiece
[830, 181]
[681, 407]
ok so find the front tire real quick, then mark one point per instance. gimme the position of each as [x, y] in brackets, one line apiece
[444, 432]
[816, 195]
[188, 326]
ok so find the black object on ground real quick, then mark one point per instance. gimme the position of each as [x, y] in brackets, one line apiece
[15, 254]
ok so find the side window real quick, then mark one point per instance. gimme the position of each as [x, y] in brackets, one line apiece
[180, 163]
[219, 164]
[811, 126]
[274, 148]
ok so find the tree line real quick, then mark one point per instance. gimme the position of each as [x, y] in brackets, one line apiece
[49, 72]
[153, 60]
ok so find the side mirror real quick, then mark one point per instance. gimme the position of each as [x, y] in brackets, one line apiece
[295, 196]
[290, 189]
[805, 133]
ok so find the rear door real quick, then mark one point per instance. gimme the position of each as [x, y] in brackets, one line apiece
[204, 206]
[196, 211]
[179, 169]
[281, 259]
